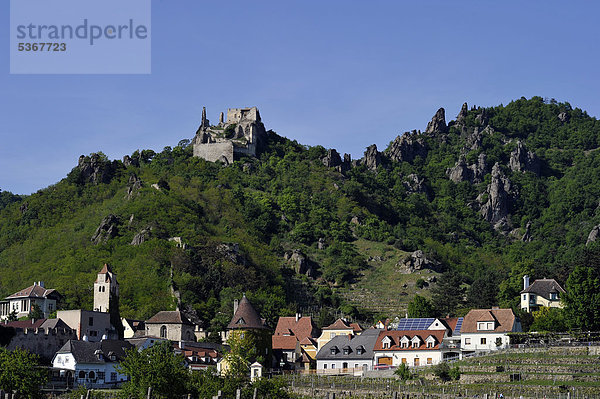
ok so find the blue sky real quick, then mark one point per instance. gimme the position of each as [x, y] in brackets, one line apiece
[343, 74]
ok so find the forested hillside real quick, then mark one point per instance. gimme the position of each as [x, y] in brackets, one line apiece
[494, 194]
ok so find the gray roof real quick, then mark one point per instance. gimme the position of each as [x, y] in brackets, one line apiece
[85, 352]
[544, 287]
[365, 340]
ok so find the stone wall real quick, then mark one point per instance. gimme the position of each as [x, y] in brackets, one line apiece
[43, 342]
[213, 152]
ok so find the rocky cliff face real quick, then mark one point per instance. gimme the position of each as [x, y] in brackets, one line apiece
[372, 158]
[94, 169]
[499, 196]
[406, 147]
[522, 160]
[438, 123]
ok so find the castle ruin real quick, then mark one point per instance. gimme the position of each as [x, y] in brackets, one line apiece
[241, 134]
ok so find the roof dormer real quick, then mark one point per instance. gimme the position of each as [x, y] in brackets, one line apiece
[416, 341]
[387, 342]
[404, 341]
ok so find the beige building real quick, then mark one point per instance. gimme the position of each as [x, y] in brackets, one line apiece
[89, 326]
[339, 327]
[543, 292]
[171, 325]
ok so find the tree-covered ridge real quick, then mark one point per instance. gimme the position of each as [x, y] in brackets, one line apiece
[288, 202]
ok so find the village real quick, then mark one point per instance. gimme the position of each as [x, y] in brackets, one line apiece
[83, 347]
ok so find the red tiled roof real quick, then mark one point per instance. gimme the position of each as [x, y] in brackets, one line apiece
[246, 317]
[283, 342]
[450, 322]
[105, 269]
[396, 336]
[339, 324]
[308, 341]
[25, 324]
[356, 327]
[301, 329]
[505, 320]
[34, 291]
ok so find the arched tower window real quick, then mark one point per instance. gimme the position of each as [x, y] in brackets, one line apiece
[163, 331]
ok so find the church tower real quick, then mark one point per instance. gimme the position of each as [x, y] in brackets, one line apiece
[106, 290]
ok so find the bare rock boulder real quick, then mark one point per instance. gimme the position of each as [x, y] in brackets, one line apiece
[108, 228]
[417, 261]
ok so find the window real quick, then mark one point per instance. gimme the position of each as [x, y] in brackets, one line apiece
[467, 341]
[101, 375]
[355, 365]
[429, 360]
[483, 341]
[403, 360]
[50, 307]
[92, 375]
[415, 344]
[93, 333]
[346, 352]
[404, 345]
[344, 365]
[91, 321]
[333, 351]
[332, 365]
[553, 296]
[430, 344]
[163, 331]
[524, 297]
[82, 374]
[113, 376]
[386, 345]
[324, 366]
[416, 361]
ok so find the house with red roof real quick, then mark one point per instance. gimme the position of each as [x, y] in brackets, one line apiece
[294, 342]
[410, 347]
[24, 301]
[487, 329]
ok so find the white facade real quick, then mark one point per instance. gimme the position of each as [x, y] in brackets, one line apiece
[484, 341]
[410, 358]
[90, 375]
[332, 365]
[23, 301]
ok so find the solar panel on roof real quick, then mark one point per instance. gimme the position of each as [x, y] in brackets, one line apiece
[414, 324]
[458, 326]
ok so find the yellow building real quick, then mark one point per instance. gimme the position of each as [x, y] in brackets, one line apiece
[339, 327]
[542, 292]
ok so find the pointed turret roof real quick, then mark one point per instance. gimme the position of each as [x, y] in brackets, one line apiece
[246, 317]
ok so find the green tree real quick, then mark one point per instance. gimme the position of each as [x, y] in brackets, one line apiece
[582, 299]
[157, 367]
[442, 371]
[548, 319]
[35, 313]
[447, 295]
[20, 373]
[420, 307]
[403, 372]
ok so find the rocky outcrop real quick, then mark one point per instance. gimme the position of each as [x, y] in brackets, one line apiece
[482, 117]
[372, 158]
[593, 236]
[95, 169]
[527, 236]
[499, 196]
[438, 123]
[522, 160]
[300, 262]
[462, 115]
[417, 261]
[333, 160]
[473, 173]
[231, 252]
[108, 228]
[133, 186]
[141, 236]
[563, 117]
[406, 147]
[415, 184]
[128, 161]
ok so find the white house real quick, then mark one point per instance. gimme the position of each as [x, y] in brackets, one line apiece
[92, 364]
[22, 302]
[413, 348]
[542, 292]
[487, 329]
[348, 353]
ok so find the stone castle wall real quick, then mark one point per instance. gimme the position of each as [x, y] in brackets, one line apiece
[43, 342]
[213, 152]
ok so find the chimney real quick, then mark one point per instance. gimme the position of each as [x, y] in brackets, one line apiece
[298, 315]
[525, 282]
[41, 284]
[181, 345]
[236, 303]
[84, 338]
[350, 336]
